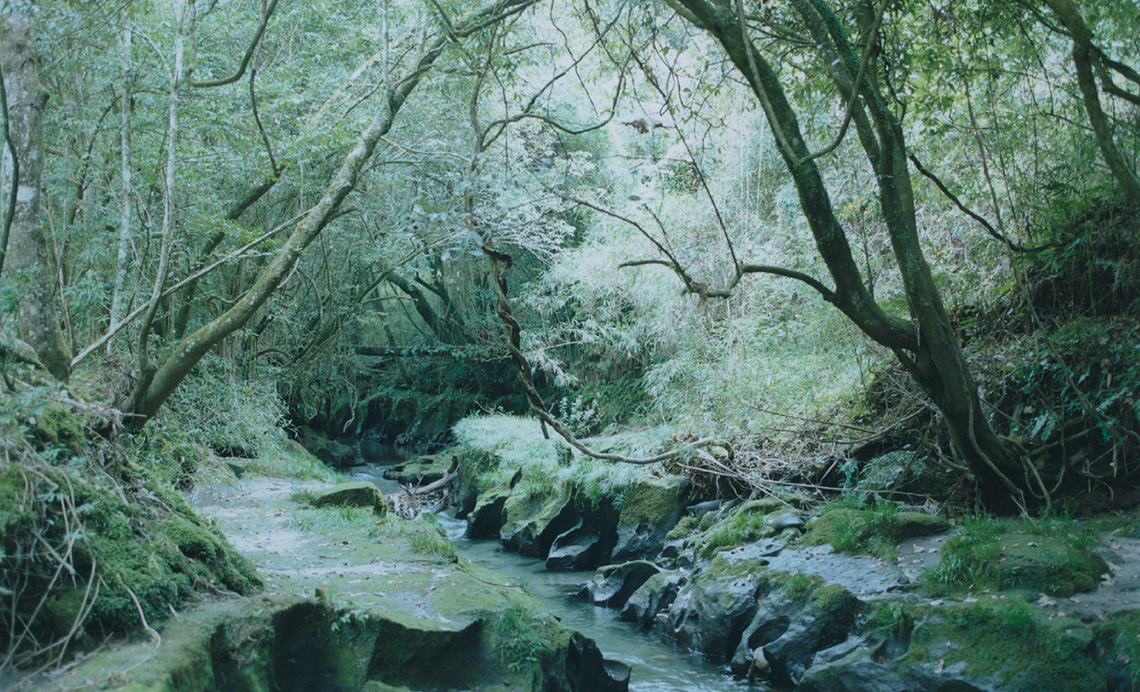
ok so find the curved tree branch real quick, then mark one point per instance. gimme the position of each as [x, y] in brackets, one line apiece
[245, 58]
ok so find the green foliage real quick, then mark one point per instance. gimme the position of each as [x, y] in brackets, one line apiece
[522, 636]
[78, 506]
[893, 619]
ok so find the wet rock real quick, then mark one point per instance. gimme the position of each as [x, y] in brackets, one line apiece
[579, 548]
[715, 606]
[856, 665]
[787, 520]
[614, 584]
[531, 523]
[356, 494]
[824, 621]
[487, 516]
[587, 671]
[649, 510]
[653, 597]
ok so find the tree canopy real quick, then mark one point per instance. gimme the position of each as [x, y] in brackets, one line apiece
[729, 218]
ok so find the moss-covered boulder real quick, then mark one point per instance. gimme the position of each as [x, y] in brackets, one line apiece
[750, 522]
[421, 470]
[332, 452]
[1054, 565]
[486, 517]
[653, 598]
[614, 584]
[992, 645]
[874, 530]
[648, 510]
[355, 494]
[1004, 646]
[531, 522]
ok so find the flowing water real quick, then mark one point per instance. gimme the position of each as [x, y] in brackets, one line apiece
[656, 665]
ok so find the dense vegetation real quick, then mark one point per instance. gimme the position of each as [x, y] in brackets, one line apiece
[822, 242]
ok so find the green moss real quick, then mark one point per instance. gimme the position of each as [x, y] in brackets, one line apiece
[749, 522]
[1010, 641]
[653, 501]
[1119, 639]
[54, 424]
[684, 527]
[1019, 561]
[356, 494]
[875, 530]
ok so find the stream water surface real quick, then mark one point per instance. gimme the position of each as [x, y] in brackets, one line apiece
[656, 665]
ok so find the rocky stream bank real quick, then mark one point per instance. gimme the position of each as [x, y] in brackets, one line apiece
[855, 596]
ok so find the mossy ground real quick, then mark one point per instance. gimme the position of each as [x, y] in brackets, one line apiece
[93, 538]
[1055, 557]
[1009, 641]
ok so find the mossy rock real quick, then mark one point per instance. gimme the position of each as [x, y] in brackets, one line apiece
[874, 530]
[750, 522]
[328, 450]
[1047, 564]
[421, 470]
[653, 501]
[1119, 640]
[1001, 645]
[355, 494]
[530, 523]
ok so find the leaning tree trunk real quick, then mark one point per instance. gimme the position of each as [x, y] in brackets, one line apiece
[27, 259]
[926, 344]
[186, 354]
[1081, 35]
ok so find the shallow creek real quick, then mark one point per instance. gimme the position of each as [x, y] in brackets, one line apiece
[656, 665]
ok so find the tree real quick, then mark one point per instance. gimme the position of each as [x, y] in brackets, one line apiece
[1091, 62]
[925, 342]
[38, 319]
[152, 392]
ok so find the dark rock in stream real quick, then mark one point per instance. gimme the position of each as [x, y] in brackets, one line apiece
[653, 597]
[530, 524]
[582, 547]
[614, 584]
[587, 671]
[649, 510]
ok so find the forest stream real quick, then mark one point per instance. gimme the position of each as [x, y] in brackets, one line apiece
[656, 665]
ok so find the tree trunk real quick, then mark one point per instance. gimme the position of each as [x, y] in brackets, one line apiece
[122, 261]
[926, 345]
[146, 368]
[38, 321]
[1071, 17]
[150, 397]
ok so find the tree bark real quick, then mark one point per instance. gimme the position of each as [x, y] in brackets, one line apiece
[38, 321]
[122, 262]
[146, 368]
